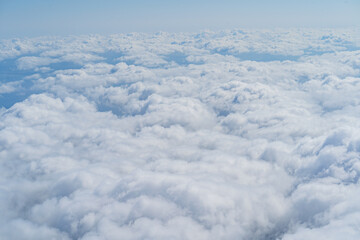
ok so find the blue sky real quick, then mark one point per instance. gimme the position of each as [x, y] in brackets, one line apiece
[19, 18]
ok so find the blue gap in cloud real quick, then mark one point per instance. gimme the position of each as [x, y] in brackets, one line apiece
[63, 66]
[7, 100]
[180, 59]
[352, 48]
[177, 57]
[268, 57]
[256, 56]
[303, 79]
[349, 47]
[111, 57]
[10, 73]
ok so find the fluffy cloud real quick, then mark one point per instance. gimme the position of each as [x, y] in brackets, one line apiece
[227, 135]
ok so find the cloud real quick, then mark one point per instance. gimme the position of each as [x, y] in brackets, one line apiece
[25, 63]
[9, 87]
[226, 135]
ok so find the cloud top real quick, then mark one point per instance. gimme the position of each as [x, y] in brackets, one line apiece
[214, 135]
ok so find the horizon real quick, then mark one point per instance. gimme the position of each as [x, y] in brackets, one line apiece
[22, 18]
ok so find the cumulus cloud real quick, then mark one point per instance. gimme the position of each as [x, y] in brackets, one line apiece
[214, 135]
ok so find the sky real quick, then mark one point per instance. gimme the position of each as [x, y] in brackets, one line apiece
[23, 18]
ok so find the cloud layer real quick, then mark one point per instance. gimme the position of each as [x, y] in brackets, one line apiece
[214, 135]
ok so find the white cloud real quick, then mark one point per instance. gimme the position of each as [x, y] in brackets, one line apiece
[26, 63]
[182, 136]
[9, 87]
